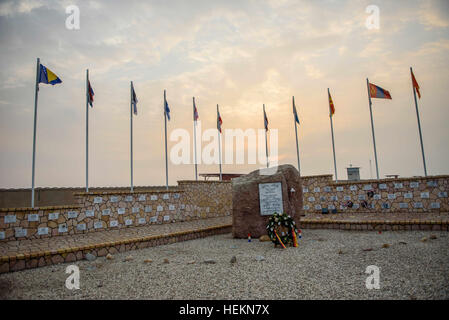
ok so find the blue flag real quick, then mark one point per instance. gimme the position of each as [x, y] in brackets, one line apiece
[167, 110]
[134, 99]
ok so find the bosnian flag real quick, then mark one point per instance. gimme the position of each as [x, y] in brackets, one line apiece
[167, 110]
[219, 121]
[295, 114]
[195, 112]
[378, 92]
[134, 99]
[90, 94]
[265, 119]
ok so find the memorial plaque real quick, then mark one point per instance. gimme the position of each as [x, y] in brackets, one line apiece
[425, 195]
[72, 214]
[331, 207]
[327, 189]
[418, 205]
[128, 222]
[442, 194]
[340, 189]
[10, 218]
[311, 199]
[106, 212]
[113, 223]
[306, 207]
[385, 205]
[89, 213]
[382, 186]
[432, 184]
[342, 207]
[20, 232]
[408, 195]
[114, 199]
[148, 208]
[183, 206]
[121, 210]
[403, 205]
[353, 188]
[2, 235]
[316, 189]
[334, 198]
[377, 197]
[55, 215]
[322, 199]
[318, 207]
[414, 184]
[368, 187]
[98, 200]
[160, 208]
[171, 207]
[270, 198]
[176, 196]
[305, 190]
[355, 206]
[153, 197]
[391, 196]
[142, 197]
[142, 221]
[129, 198]
[347, 198]
[33, 217]
[153, 219]
[81, 227]
[62, 228]
[98, 225]
[435, 205]
[362, 197]
[166, 218]
[166, 196]
[135, 210]
[398, 185]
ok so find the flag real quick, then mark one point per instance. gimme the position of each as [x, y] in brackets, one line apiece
[167, 110]
[195, 112]
[90, 94]
[47, 76]
[134, 99]
[415, 84]
[378, 92]
[219, 121]
[295, 113]
[265, 119]
[331, 106]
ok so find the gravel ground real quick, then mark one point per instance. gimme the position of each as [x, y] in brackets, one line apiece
[328, 264]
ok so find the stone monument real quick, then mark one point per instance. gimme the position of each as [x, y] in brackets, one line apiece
[261, 193]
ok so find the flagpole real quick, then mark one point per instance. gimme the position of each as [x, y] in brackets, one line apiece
[166, 159]
[419, 128]
[219, 147]
[131, 135]
[372, 128]
[34, 130]
[194, 139]
[332, 133]
[296, 135]
[87, 130]
[266, 143]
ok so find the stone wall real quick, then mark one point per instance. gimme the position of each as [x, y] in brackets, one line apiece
[418, 194]
[96, 211]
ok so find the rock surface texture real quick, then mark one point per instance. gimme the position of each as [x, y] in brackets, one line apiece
[245, 199]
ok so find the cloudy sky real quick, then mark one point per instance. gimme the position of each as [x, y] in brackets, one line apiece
[239, 54]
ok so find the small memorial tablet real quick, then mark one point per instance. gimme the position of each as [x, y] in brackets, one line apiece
[334, 198]
[135, 210]
[176, 196]
[391, 196]
[148, 208]
[33, 217]
[128, 222]
[98, 225]
[382, 186]
[355, 206]
[90, 213]
[347, 198]
[153, 197]
[361, 197]
[322, 199]
[418, 205]
[153, 219]
[166, 196]
[311, 199]
[72, 214]
[270, 198]
[432, 184]
[142, 221]
[403, 205]
[54, 216]
[81, 227]
[425, 195]
[129, 198]
[160, 208]
[106, 212]
[377, 197]
[2, 235]
[327, 189]
[10, 218]
[353, 188]
[306, 207]
[368, 187]
[114, 199]
[113, 223]
[121, 210]
[442, 194]
[98, 200]
[385, 205]
[20, 232]
[142, 197]
[342, 207]
[305, 190]
[435, 205]
[316, 189]
[340, 188]
[171, 207]
[62, 228]
[183, 206]
[398, 185]
[331, 207]
[318, 207]
[166, 218]
[408, 195]
[414, 184]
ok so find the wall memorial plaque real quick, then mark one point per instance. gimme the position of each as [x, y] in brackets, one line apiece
[270, 198]
[342, 207]
[10, 218]
[305, 190]
[89, 213]
[377, 197]
[340, 188]
[33, 217]
[148, 208]
[435, 205]
[334, 198]
[418, 205]
[106, 212]
[306, 207]
[316, 189]
[81, 227]
[113, 223]
[382, 186]
[183, 206]
[432, 184]
[414, 184]
[98, 225]
[355, 206]
[311, 199]
[153, 219]
[129, 198]
[176, 196]
[142, 221]
[166, 218]
[171, 207]
[408, 195]
[121, 210]
[62, 228]
[347, 198]
[54, 216]
[72, 214]
[2, 235]
[327, 189]
[142, 197]
[425, 195]
[128, 222]
[166, 196]
[98, 200]
[322, 199]
[368, 187]
[353, 188]
[391, 196]
[160, 208]
[20, 232]
[331, 207]
[318, 207]
[153, 197]
[403, 205]
[398, 185]
[362, 197]
[114, 199]
[385, 205]
[442, 194]
[135, 210]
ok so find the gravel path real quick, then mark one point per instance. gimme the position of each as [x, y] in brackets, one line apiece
[329, 264]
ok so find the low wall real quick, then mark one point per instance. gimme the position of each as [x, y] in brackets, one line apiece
[418, 194]
[96, 211]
